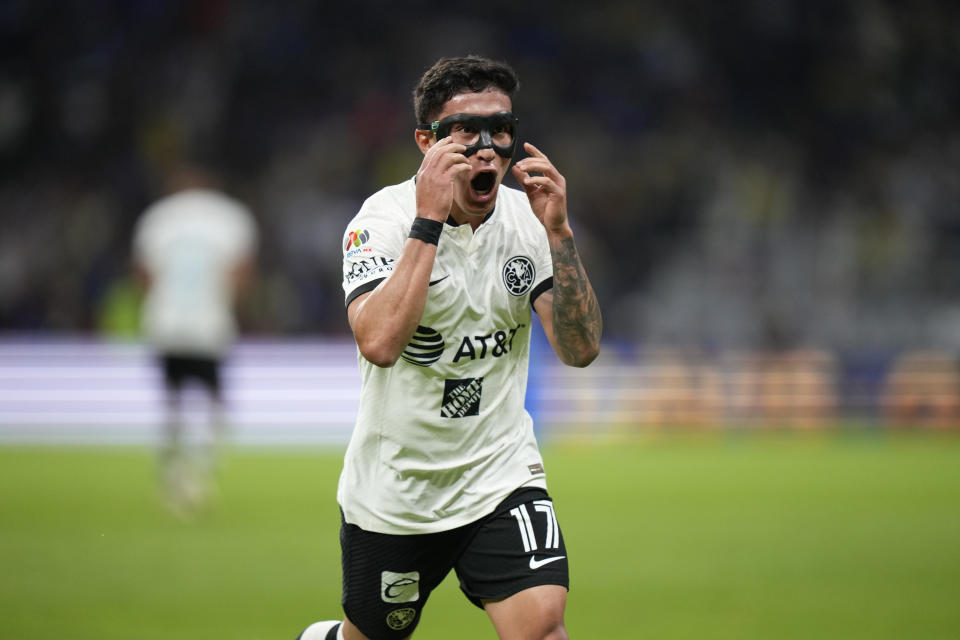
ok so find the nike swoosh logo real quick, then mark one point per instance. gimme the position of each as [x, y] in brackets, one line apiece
[536, 564]
[433, 282]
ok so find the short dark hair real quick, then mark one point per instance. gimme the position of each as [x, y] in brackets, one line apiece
[450, 76]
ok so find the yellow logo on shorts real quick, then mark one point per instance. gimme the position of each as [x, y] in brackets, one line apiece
[401, 618]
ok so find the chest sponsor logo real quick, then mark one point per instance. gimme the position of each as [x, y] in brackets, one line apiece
[496, 344]
[424, 348]
[368, 268]
[518, 274]
[461, 397]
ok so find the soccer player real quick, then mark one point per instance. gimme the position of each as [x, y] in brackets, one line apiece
[193, 252]
[440, 274]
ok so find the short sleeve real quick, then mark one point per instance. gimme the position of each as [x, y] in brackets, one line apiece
[543, 261]
[372, 243]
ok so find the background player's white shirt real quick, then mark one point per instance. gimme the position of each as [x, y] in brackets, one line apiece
[190, 243]
[442, 436]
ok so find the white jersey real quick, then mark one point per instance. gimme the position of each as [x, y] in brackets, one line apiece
[442, 436]
[190, 243]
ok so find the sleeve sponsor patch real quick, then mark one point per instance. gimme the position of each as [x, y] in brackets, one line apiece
[366, 268]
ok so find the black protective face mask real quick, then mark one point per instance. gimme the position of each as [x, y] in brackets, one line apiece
[497, 131]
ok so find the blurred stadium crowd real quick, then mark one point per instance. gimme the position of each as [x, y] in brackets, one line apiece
[776, 174]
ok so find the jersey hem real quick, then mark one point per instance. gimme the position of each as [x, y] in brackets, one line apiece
[376, 525]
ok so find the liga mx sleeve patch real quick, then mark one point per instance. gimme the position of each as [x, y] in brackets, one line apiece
[461, 397]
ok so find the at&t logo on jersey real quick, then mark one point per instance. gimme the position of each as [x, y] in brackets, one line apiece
[518, 274]
[496, 343]
[424, 348]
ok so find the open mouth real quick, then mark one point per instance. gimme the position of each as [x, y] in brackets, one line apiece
[483, 182]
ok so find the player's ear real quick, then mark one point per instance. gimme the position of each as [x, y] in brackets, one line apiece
[423, 138]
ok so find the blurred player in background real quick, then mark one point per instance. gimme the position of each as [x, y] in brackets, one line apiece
[193, 252]
[440, 274]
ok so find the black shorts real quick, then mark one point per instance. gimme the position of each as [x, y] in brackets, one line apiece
[388, 578]
[178, 370]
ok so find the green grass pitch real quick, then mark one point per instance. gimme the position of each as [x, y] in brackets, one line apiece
[712, 535]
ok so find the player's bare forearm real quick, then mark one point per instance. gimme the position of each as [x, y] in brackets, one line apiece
[577, 322]
[569, 312]
[384, 320]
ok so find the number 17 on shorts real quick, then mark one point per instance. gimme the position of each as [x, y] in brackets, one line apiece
[551, 539]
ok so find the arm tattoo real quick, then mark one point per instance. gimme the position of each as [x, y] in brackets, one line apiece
[577, 323]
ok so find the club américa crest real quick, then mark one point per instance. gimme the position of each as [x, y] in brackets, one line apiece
[401, 618]
[518, 274]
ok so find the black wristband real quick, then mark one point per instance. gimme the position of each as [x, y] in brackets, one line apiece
[426, 230]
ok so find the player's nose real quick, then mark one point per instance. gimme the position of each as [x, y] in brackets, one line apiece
[486, 154]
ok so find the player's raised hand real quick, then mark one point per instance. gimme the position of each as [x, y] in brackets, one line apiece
[545, 186]
[441, 164]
